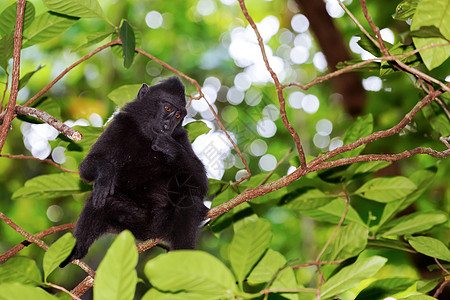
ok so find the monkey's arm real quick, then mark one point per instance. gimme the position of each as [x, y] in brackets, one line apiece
[179, 154]
[101, 171]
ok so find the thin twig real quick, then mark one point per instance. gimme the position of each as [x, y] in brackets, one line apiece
[317, 263]
[278, 86]
[13, 251]
[441, 288]
[341, 221]
[4, 92]
[31, 238]
[64, 290]
[9, 116]
[385, 51]
[84, 58]
[47, 160]
[286, 290]
[366, 33]
[276, 167]
[441, 266]
[379, 134]
[445, 141]
[359, 65]
[444, 107]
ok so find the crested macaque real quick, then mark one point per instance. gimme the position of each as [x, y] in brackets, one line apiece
[147, 178]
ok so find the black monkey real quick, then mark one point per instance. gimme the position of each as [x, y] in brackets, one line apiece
[147, 178]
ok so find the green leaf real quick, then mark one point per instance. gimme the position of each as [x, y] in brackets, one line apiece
[437, 118]
[422, 179]
[405, 10]
[77, 8]
[90, 136]
[385, 189]
[8, 18]
[305, 199]
[195, 129]
[349, 242]
[25, 78]
[432, 13]
[57, 253]
[274, 264]
[416, 222]
[398, 49]
[352, 275]
[154, 294]
[430, 247]
[6, 50]
[385, 287]
[46, 187]
[428, 32]
[418, 297]
[332, 213]
[45, 27]
[363, 126]
[427, 285]
[126, 35]
[191, 271]
[116, 276]
[248, 245]
[20, 269]
[17, 291]
[389, 244]
[124, 94]
[93, 39]
[373, 66]
[365, 43]
[367, 167]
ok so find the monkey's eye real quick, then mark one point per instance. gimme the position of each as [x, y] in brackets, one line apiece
[167, 108]
[177, 115]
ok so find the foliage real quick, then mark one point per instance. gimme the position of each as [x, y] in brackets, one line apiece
[350, 222]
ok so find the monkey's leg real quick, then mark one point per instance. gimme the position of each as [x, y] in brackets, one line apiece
[90, 226]
[186, 224]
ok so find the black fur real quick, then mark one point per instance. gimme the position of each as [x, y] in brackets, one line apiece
[147, 179]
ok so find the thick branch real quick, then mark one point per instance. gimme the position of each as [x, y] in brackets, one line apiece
[318, 163]
[9, 116]
[50, 120]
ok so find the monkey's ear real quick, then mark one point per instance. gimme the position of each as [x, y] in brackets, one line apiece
[142, 91]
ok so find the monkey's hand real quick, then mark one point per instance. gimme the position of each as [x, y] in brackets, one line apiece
[103, 187]
[168, 145]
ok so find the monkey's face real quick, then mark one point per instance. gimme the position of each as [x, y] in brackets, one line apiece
[168, 118]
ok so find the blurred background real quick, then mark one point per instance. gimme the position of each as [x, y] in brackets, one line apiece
[210, 41]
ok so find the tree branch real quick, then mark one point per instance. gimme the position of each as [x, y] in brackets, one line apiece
[21, 156]
[278, 86]
[50, 120]
[9, 116]
[13, 251]
[84, 58]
